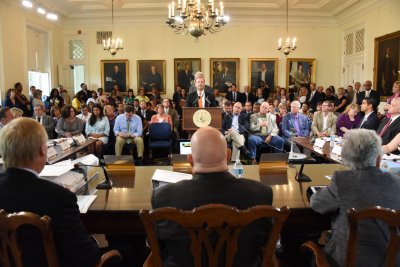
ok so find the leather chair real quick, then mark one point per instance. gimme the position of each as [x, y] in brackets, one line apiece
[159, 137]
[388, 216]
[211, 221]
[15, 224]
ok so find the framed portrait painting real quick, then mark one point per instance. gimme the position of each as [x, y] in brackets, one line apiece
[151, 73]
[184, 70]
[300, 72]
[224, 72]
[387, 63]
[115, 72]
[263, 69]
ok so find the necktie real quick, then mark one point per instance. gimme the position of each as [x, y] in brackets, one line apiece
[247, 97]
[385, 128]
[38, 119]
[128, 129]
[296, 125]
[200, 100]
[234, 96]
[143, 113]
[366, 94]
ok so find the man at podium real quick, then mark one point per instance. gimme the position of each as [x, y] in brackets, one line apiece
[200, 98]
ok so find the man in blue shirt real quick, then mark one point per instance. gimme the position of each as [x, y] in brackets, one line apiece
[128, 129]
[295, 123]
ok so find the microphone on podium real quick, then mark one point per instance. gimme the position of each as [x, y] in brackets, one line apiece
[107, 184]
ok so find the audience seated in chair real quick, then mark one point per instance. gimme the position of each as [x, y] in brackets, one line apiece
[211, 183]
[295, 123]
[362, 186]
[264, 129]
[324, 122]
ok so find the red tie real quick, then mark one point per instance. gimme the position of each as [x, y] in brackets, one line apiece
[385, 128]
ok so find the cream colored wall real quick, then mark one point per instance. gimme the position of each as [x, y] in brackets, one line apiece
[13, 35]
[160, 43]
[379, 21]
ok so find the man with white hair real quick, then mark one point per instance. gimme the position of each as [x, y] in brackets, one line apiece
[264, 129]
[200, 98]
[295, 122]
[23, 145]
[211, 183]
[364, 185]
[390, 127]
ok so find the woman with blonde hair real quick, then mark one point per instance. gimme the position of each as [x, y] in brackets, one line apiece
[348, 120]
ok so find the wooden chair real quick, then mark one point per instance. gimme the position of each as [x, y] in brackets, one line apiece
[10, 250]
[388, 216]
[204, 222]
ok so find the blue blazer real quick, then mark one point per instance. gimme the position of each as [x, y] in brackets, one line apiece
[288, 122]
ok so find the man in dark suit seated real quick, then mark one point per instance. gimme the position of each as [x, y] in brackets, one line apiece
[368, 93]
[248, 96]
[362, 186]
[43, 119]
[211, 183]
[23, 145]
[234, 95]
[390, 127]
[235, 127]
[370, 120]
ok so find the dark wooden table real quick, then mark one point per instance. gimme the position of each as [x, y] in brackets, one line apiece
[71, 152]
[116, 211]
[324, 152]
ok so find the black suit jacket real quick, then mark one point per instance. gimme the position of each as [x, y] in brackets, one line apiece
[373, 94]
[313, 101]
[206, 188]
[390, 132]
[240, 97]
[21, 190]
[251, 97]
[148, 114]
[192, 100]
[372, 123]
[244, 123]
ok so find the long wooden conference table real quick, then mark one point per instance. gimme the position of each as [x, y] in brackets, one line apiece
[116, 211]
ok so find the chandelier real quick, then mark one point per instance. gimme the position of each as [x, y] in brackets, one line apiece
[196, 18]
[112, 45]
[290, 44]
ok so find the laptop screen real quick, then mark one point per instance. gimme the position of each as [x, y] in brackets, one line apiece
[185, 147]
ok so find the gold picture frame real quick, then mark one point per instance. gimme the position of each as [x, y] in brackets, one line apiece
[255, 65]
[220, 79]
[114, 72]
[386, 68]
[184, 78]
[297, 78]
[147, 78]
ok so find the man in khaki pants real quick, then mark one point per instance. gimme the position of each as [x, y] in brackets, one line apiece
[127, 129]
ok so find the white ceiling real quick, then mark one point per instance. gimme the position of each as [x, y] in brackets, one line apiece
[95, 12]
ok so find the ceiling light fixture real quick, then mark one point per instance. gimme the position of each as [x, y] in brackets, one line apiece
[196, 18]
[52, 16]
[112, 45]
[290, 44]
[41, 10]
[27, 4]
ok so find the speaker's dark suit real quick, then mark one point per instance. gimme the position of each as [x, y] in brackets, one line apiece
[239, 97]
[373, 94]
[372, 122]
[192, 100]
[21, 190]
[222, 188]
[391, 131]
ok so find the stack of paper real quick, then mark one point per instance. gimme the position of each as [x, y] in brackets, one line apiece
[84, 202]
[169, 176]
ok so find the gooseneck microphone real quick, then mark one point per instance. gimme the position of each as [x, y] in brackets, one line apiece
[107, 184]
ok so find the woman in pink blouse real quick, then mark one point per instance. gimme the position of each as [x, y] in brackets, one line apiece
[160, 117]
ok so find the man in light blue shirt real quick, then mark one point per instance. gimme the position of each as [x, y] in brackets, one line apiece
[127, 129]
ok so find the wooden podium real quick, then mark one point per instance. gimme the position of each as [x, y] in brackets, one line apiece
[188, 114]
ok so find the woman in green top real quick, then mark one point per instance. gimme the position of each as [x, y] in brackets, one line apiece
[142, 96]
[128, 100]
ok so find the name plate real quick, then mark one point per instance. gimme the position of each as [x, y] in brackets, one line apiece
[65, 145]
[51, 152]
[319, 142]
[80, 138]
[337, 150]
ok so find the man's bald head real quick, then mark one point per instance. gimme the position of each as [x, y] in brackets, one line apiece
[209, 151]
